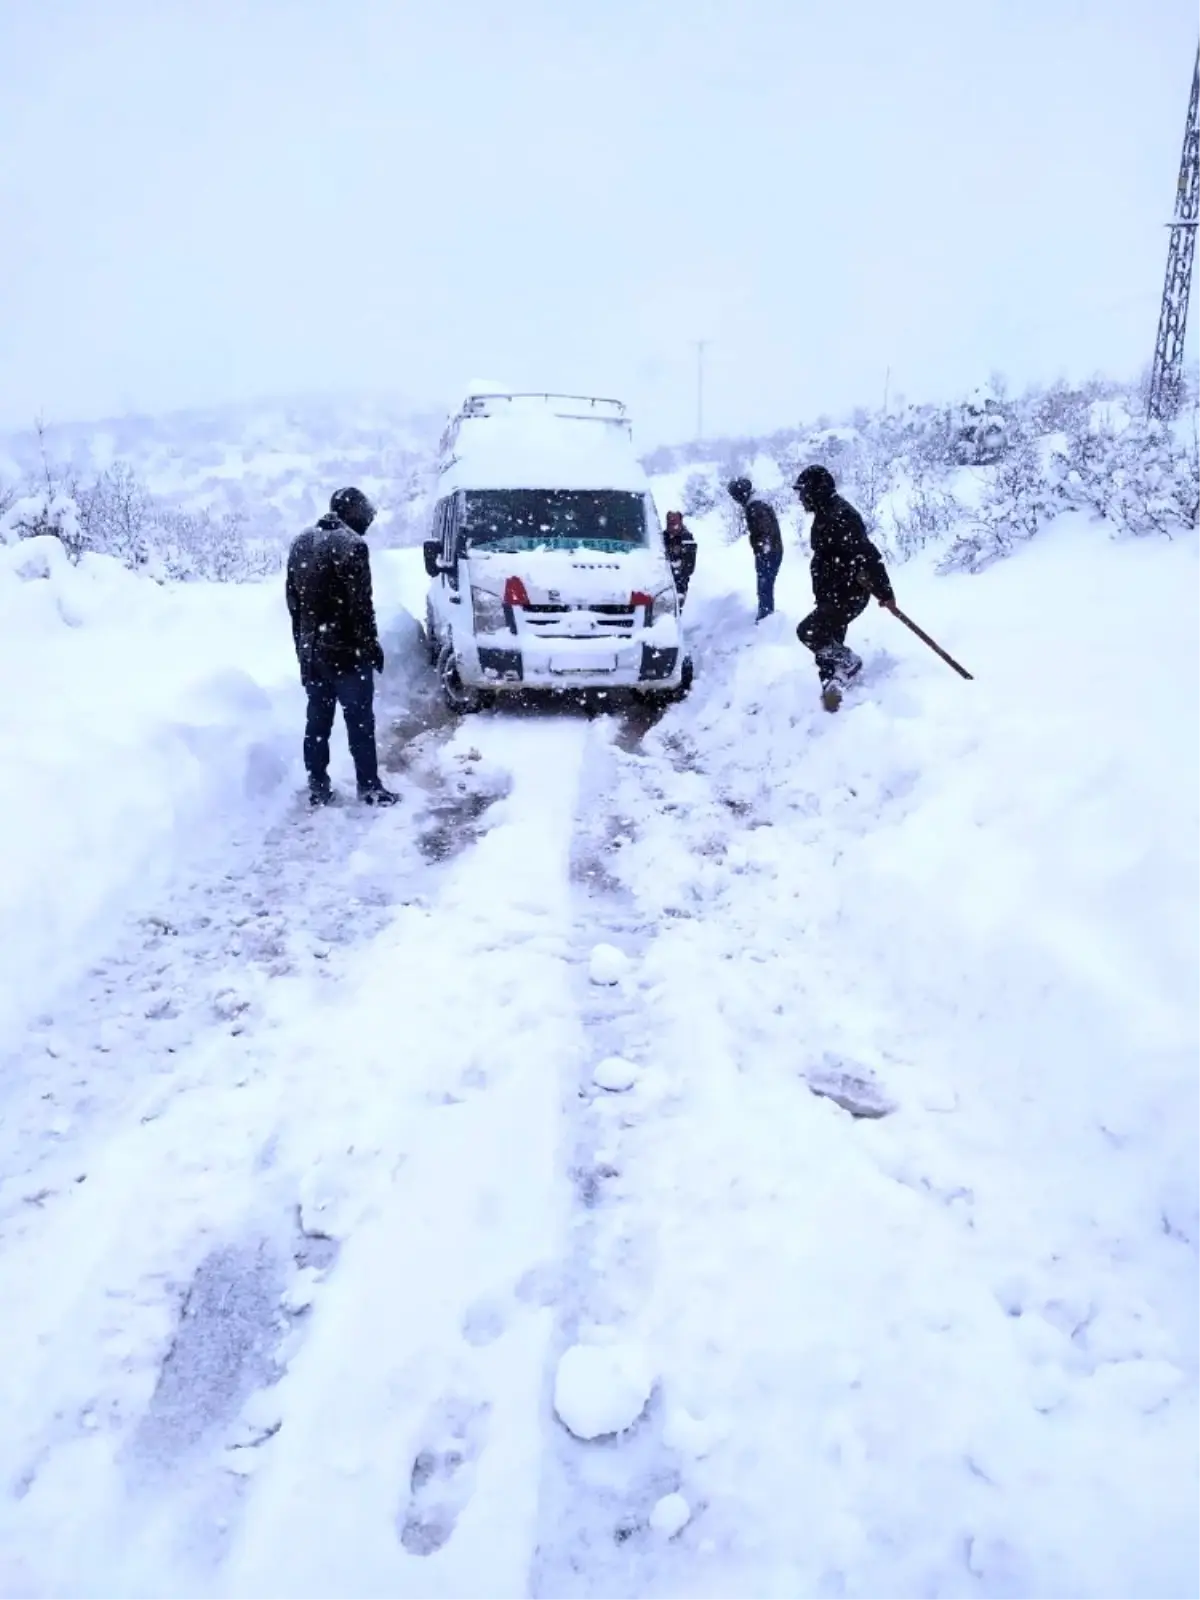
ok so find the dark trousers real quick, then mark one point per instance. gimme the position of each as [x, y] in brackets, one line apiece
[823, 631]
[355, 693]
[766, 569]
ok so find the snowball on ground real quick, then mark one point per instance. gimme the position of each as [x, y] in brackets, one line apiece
[607, 965]
[671, 1515]
[615, 1073]
[850, 1085]
[601, 1389]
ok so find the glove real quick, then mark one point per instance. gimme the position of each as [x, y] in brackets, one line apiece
[377, 657]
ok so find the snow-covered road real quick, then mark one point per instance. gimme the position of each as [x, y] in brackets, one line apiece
[293, 1065]
[306, 1187]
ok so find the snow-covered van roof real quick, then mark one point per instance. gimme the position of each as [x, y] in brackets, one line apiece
[539, 441]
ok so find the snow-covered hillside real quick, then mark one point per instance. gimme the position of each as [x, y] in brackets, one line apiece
[823, 1089]
[218, 493]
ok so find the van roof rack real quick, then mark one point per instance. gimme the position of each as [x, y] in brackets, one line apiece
[473, 404]
[582, 408]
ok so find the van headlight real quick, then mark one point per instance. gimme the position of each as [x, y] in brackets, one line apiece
[488, 610]
[664, 603]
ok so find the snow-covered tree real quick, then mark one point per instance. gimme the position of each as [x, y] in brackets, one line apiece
[46, 511]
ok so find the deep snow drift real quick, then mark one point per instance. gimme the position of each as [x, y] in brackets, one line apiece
[369, 1140]
[150, 722]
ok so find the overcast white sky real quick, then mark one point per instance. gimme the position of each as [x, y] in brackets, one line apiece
[209, 200]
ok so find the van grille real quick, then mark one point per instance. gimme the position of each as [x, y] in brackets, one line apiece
[579, 622]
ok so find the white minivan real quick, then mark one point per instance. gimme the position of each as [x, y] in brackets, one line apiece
[547, 559]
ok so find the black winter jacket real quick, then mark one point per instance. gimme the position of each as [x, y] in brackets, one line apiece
[763, 527]
[681, 553]
[845, 564]
[330, 600]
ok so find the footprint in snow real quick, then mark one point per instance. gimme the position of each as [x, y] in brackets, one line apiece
[484, 1322]
[443, 1474]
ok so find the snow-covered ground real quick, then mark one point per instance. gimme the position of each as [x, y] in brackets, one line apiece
[337, 1151]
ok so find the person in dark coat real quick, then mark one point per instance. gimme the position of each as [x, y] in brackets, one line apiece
[681, 553]
[847, 570]
[766, 541]
[337, 641]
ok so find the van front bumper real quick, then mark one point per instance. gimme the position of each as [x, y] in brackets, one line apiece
[567, 663]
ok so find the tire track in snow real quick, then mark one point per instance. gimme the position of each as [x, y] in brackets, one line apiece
[258, 910]
[598, 1496]
[897, 1356]
[407, 1460]
[177, 1168]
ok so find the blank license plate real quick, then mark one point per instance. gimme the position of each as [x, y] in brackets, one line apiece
[593, 661]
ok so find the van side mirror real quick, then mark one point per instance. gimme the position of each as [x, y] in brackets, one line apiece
[433, 553]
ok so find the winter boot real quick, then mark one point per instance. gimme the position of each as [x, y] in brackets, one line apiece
[831, 694]
[374, 794]
[320, 794]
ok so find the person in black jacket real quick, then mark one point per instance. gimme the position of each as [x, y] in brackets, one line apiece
[847, 570]
[681, 553]
[337, 641]
[765, 540]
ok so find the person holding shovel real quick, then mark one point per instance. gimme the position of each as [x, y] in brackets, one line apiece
[847, 570]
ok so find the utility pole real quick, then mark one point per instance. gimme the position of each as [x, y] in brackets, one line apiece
[701, 345]
[1166, 376]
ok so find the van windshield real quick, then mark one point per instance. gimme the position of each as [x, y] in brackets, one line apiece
[511, 520]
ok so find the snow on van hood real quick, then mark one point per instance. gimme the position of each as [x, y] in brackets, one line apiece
[575, 576]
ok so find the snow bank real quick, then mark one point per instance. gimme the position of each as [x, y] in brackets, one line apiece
[961, 1335]
[142, 722]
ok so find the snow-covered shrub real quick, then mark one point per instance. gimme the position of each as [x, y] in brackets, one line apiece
[1159, 488]
[1086, 466]
[34, 559]
[48, 511]
[866, 476]
[699, 494]
[733, 520]
[1019, 498]
[927, 518]
[1144, 478]
[115, 514]
[197, 544]
[1058, 409]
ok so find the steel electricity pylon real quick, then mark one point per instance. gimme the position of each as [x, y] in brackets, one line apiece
[1166, 376]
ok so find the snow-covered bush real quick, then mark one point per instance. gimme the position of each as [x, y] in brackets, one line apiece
[1019, 497]
[929, 516]
[1158, 490]
[699, 494]
[115, 514]
[1144, 478]
[197, 544]
[1084, 446]
[1085, 466]
[48, 511]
